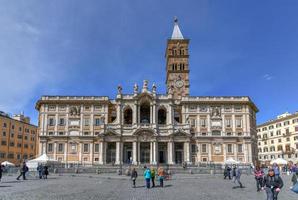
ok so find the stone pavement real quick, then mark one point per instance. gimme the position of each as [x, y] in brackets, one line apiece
[87, 186]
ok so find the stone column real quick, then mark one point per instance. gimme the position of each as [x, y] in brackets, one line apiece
[234, 125]
[65, 153]
[224, 148]
[235, 151]
[170, 152]
[151, 153]
[118, 157]
[134, 114]
[101, 153]
[55, 150]
[209, 152]
[154, 114]
[44, 147]
[80, 152]
[134, 153]
[139, 152]
[91, 153]
[198, 152]
[187, 152]
[170, 115]
[155, 152]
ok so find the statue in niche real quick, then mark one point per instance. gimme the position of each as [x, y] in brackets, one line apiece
[119, 89]
[75, 110]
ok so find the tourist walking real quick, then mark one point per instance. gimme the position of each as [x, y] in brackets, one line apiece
[161, 176]
[236, 173]
[134, 175]
[294, 178]
[40, 170]
[23, 170]
[276, 169]
[147, 176]
[272, 184]
[259, 176]
[152, 171]
[45, 172]
[227, 172]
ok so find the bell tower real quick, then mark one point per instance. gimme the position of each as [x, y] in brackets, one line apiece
[177, 64]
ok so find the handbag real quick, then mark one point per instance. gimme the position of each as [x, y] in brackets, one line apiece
[295, 188]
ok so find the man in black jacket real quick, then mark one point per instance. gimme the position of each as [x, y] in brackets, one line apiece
[273, 185]
[23, 171]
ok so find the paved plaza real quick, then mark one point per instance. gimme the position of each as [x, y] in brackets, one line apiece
[87, 186]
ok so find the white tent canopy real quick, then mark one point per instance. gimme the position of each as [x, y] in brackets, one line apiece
[279, 161]
[6, 163]
[231, 161]
[43, 159]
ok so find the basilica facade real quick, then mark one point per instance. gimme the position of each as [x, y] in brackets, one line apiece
[146, 127]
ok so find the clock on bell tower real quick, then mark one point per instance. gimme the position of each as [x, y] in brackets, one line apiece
[177, 63]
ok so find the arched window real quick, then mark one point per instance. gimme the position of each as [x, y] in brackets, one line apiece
[162, 116]
[145, 112]
[128, 115]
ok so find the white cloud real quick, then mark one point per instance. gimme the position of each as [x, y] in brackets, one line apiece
[267, 77]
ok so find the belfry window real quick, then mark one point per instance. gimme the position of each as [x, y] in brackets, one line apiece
[177, 115]
[162, 116]
[128, 116]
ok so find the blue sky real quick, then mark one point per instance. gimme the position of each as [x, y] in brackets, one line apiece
[69, 47]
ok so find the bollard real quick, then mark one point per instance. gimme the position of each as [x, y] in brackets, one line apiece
[212, 172]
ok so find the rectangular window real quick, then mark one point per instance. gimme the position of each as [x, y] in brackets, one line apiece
[230, 148]
[240, 150]
[238, 123]
[4, 125]
[11, 144]
[203, 122]
[60, 148]
[228, 123]
[61, 122]
[96, 148]
[203, 109]
[86, 148]
[97, 108]
[193, 148]
[26, 146]
[204, 148]
[50, 147]
[3, 143]
[228, 109]
[52, 108]
[86, 133]
[4, 134]
[238, 108]
[193, 122]
[10, 155]
[19, 145]
[86, 122]
[192, 108]
[51, 122]
[98, 121]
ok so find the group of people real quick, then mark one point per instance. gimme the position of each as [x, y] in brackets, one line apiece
[271, 182]
[43, 171]
[233, 173]
[149, 175]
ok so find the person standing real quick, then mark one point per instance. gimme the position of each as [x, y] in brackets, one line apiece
[134, 175]
[152, 171]
[276, 169]
[147, 176]
[273, 185]
[40, 170]
[45, 172]
[161, 176]
[227, 172]
[294, 177]
[1, 171]
[236, 173]
[23, 170]
[259, 176]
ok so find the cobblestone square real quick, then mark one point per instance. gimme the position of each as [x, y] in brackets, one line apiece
[85, 186]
